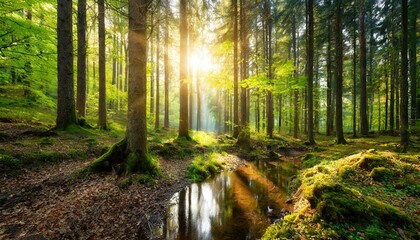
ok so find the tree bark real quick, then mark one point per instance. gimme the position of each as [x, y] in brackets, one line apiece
[310, 69]
[157, 110]
[269, 56]
[354, 80]
[235, 69]
[183, 93]
[166, 65]
[339, 72]
[66, 111]
[329, 127]
[81, 58]
[295, 75]
[102, 72]
[404, 77]
[136, 117]
[415, 114]
[364, 128]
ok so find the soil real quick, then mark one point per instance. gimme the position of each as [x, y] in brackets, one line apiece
[49, 202]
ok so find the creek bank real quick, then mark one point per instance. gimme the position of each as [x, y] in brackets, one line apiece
[369, 195]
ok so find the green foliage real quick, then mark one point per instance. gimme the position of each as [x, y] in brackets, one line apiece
[203, 166]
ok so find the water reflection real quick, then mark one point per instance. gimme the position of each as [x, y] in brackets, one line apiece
[236, 205]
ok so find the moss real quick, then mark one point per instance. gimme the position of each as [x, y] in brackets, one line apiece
[145, 179]
[107, 160]
[310, 160]
[47, 141]
[335, 202]
[140, 162]
[381, 174]
[369, 161]
[9, 163]
[345, 172]
[204, 166]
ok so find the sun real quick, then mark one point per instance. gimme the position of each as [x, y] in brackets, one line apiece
[201, 60]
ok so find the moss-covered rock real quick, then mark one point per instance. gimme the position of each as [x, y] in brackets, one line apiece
[335, 202]
[381, 174]
[369, 161]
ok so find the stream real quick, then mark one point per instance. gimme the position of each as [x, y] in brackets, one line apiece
[232, 205]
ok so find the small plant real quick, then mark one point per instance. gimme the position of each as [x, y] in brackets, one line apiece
[145, 179]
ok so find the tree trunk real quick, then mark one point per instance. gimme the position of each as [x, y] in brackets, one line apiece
[404, 77]
[364, 128]
[66, 112]
[235, 69]
[131, 154]
[81, 58]
[244, 62]
[415, 114]
[102, 72]
[269, 59]
[354, 80]
[152, 74]
[198, 102]
[183, 93]
[339, 72]
[386, 90]
[329, 127]
[310, 69]
[157, 110]
[166, 65]
[295, 75]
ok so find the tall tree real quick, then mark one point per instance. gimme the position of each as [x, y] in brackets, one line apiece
[295, 75]
[166, 65]
[330, 100]
[310, 68]
[157, 110]
[415, 96]
[269, 56]
[364, 127]
[354, 95]
[81, 58]
[66, 111]
[102, 72]
[235, 69]
[131, 153]
[404, 77]
[183, 72]
[244, 59]
[339, 72]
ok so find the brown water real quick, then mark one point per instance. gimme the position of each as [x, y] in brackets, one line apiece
[232, 205]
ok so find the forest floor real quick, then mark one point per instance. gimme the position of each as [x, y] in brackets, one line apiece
[43, 196]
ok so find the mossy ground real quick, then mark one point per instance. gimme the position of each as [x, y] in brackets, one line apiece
[351, 192]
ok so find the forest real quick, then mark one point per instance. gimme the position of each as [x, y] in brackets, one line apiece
[209, 119]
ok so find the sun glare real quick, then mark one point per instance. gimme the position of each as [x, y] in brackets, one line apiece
[201, 60]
